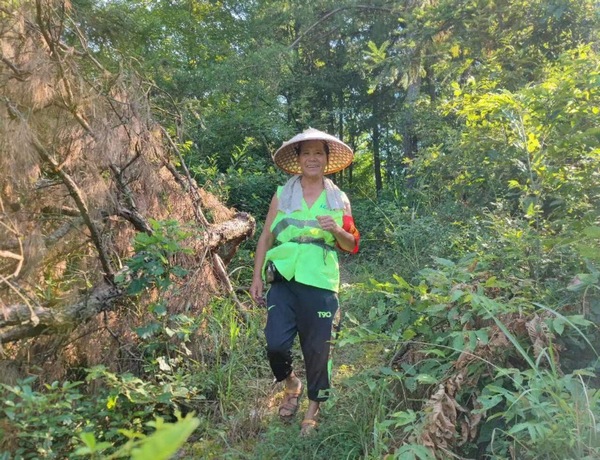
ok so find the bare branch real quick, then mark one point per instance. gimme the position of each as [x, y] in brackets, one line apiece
[331, 13]
[10, 255]
[221, 272]
[192, 187]
[51, 42]
[62, 231]
[25, 320]
[50, 319]
[131, 213]
[241, 226]
[22, 332]
[136, 219]
[19, 74]
[61, 210]
[74, 191]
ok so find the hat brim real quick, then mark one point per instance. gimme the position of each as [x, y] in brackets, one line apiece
[340, 155]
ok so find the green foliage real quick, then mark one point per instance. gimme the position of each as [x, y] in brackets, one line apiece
[251, 181]
[484, 118]
[41, 424]
[451, 310]
[150, 266]
[393, 231]
[53, 421]
[533, 147]
[162, 444]
[164, 335]
[543, 414]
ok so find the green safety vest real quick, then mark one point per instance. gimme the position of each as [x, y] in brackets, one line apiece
[304, 251]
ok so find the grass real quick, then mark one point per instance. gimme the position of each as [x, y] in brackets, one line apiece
[247, 425]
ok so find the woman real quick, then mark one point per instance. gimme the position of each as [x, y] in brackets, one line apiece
[308, 218]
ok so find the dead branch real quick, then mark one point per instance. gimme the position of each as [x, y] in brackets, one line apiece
[61, 153]
[222, 274]
[10, 255]
[62, 231]
[61, 210]
[18, 74]
[241, 226]
[19, 317]
[192, 187]
[74, 191]
[54, 53]
[24, 320]
[135, 218]
[130, 213]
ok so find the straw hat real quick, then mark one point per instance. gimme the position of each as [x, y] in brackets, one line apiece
[340, 155]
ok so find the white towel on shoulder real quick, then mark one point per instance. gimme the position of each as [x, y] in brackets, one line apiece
[291, 196]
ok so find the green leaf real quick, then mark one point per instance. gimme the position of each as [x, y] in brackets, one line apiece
[488, 402]
[179, 271]
[444, 262]
[426, 378]
[148, 331]
[558, 324]
[414, 451]
[456, 295]
[482, 335]
[458, 342]
[401, 282]
[352, 318]
[580, 320]
[88, 439]
[411, 384]
[409, 334]
[137, 285]
[403, 417]
[521, 427]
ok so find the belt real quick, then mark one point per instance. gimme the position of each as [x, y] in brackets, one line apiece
[317, 242]
[310, 240]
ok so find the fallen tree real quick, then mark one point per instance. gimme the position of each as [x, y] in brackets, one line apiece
[86, 167]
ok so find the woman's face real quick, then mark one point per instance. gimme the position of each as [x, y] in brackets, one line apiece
[312, 158]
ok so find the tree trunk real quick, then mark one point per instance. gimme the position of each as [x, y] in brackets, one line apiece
[377, 158]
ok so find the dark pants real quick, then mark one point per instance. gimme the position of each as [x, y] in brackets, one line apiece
[295, 308]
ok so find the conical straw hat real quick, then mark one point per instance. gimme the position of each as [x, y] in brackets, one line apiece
[286, 156]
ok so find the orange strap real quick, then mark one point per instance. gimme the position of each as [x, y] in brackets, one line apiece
[348, 225]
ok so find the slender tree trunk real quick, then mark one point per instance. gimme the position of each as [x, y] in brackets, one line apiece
[377, 159]
[430, 82]
[341, 126]
[352, 144]
[409, 137]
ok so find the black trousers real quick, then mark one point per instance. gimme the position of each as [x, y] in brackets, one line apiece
[307, 311]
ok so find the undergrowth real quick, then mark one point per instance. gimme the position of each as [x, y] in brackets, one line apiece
[460, 358]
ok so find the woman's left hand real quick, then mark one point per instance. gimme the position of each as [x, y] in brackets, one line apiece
[328, 223]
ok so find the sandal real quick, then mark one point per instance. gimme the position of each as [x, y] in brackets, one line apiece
[290, 403]
[307, 427]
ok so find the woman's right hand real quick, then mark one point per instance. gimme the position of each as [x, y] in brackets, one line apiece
[256, 291]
